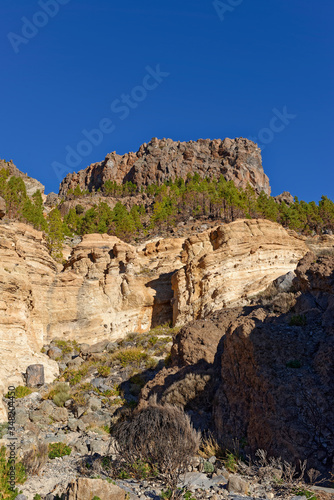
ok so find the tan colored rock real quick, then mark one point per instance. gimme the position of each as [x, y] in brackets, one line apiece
[85, 489]
[225, 266]
[2, 207]
[26, 274]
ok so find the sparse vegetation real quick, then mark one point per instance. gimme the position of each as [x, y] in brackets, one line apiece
[59, 394]
[103, 370]
[58, 450]
[293, 364]
[21, 391]
[35, 459]
[161, 437]
[298, 320]
[5, 468]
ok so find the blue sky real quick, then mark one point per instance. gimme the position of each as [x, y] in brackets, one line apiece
[223, 69]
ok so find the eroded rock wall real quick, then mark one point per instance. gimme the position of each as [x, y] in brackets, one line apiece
[227, 265]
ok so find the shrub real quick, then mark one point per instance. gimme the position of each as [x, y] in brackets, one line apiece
[160, 436]
[35, 459]
[59, 394]
[103, 371]
[20, 476]
[298, 320]
[58, 450]
[293, 364]
[3, 429]
[21, 391]
[210, 447]
[133, 355]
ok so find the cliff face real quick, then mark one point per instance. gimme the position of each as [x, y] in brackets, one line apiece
[108, 288]
[26, 276]
[160, 160]
[263, 375]
[231, 263]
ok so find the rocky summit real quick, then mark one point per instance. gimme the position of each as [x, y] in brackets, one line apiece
[163, 160]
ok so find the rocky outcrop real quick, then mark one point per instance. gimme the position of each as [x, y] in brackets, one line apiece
[285, 197]
[266, 371]
[2, 208]
[227, 265]
[32, 185]
[161, 160]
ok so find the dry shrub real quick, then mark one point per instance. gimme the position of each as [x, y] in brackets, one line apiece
[161, 437]
[35, 459]
[210, 447]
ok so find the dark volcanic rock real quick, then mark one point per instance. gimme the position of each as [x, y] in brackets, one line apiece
[35, 375]
[160, 160]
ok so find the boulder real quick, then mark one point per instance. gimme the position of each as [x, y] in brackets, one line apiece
[35, 375]
[86, 489]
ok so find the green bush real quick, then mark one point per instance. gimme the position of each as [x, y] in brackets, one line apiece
[103, 371]
[60, 394]
[20, 476]
[298, 320]
[59, 450]
[293, 364]
[21, 391]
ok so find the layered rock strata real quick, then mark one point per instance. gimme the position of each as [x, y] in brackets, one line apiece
[227, 265]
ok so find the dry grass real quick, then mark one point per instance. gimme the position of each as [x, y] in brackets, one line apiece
[35, 459]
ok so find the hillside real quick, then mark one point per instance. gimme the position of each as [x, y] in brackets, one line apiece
[170, 272]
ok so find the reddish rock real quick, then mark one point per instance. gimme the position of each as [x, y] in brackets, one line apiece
[160, 160]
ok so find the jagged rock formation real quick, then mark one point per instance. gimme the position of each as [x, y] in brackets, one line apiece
[32, 185]
[265, 374]
[226, 265]
[160, 160]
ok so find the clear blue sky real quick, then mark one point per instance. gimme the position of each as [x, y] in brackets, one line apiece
[229, 66]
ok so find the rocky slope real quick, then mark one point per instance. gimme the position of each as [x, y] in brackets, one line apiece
[160, 160]
[263, 375]
[108, 288]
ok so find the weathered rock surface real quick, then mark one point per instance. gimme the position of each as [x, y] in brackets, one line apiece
[2, 208]
[231, 263]
[87, 489]
[108, 288]
[26, 275]
[271, 380]
[159, 160]
[32, 185]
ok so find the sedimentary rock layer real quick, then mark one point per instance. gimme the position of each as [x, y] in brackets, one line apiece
[226, 265]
